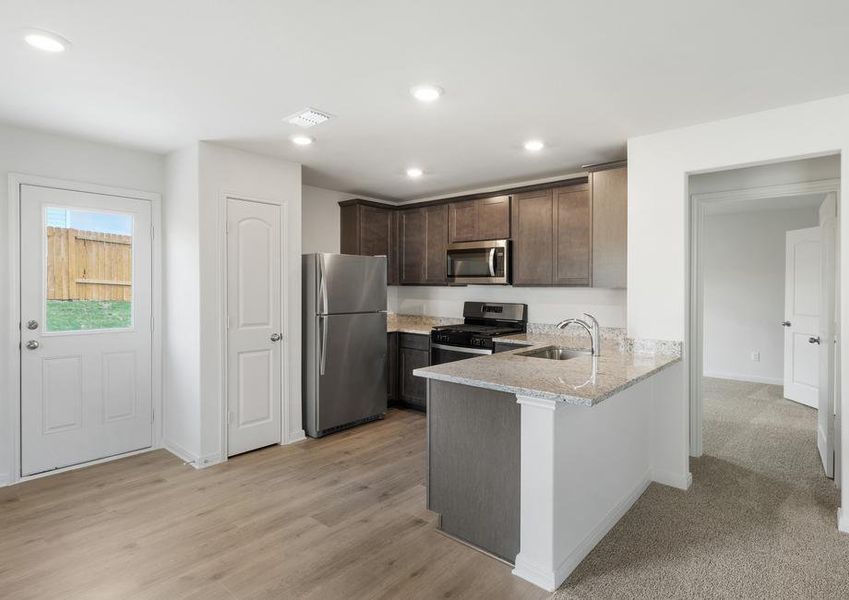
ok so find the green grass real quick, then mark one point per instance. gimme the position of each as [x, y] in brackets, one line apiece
[73, 315]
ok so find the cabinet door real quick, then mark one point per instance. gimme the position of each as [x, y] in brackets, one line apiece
[413, 389]
[412, 229]
[610, 227]
[392, 348]
[463, 221]
[533, 246]
[374, 231]
[349, 229]
[573, 235]
[494, 218]
[436, 269]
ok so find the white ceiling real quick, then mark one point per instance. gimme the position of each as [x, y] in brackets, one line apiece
[583, 76]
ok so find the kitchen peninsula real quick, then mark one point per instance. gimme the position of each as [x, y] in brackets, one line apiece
[534, 459]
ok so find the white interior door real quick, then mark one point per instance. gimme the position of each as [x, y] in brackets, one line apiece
[86, 327]
[827, 365]
[802, 290]
[254, 335]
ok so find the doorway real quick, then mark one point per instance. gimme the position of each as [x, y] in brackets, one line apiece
[254, 335]
[763, 299]
[86, 308]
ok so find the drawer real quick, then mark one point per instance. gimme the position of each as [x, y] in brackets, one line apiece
[415, 341]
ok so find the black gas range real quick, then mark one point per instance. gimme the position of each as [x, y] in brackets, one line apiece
[482, 322]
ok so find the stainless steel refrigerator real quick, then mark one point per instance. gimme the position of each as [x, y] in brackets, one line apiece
[345, 349]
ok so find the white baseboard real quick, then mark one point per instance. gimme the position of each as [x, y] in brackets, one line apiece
[676, 480]
[534, 573]
[842, 520]
[5, 479]
[180, 452]
[296, 436]
[745, 378]
[550, 580]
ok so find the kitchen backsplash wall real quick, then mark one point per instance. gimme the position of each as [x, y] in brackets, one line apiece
[545, 305]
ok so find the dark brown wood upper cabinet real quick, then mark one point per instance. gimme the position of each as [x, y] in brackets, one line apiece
[436, 267]
[479, 219]
[463, 221]
[370, 230]
[412, 238]
[565, 234]
[533, 238]
[610, 227]
[494, 218]
[572, 235]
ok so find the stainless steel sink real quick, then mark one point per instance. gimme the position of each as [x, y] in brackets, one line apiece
[554, 353]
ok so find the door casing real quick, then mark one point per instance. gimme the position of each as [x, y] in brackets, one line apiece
[694, 348]
[16, 180]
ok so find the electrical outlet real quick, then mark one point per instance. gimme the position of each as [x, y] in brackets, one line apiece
[756, 356]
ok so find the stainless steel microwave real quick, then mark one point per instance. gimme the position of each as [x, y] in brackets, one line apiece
[479, 262]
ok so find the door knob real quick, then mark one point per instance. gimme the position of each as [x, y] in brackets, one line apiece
[785, 323]
[32, 324]
[32, 345]
[276, 337]
[814, 340]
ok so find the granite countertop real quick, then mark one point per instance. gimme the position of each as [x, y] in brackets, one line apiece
[583, 381]
[420, 324]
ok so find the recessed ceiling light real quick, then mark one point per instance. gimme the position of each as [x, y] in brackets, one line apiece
[308, 117]
[426, 93]
[46, 41]
[301, 140]
[534, 145]
[414, 172]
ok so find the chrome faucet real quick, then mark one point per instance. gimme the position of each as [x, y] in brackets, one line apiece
[592, 329]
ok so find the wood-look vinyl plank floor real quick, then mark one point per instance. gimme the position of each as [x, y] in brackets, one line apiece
[340, 517]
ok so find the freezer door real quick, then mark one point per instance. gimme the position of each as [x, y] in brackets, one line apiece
[350, 284]
[352, 368]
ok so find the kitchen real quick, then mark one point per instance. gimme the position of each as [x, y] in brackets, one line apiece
[377, 300]
[491, 382]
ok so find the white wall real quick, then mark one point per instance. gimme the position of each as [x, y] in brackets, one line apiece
[181, 305]
[545, 305]
[38, 153]
[743, 274]
[658, 225]
[235, 173]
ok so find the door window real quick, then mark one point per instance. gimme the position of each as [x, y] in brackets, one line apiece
[89, 274]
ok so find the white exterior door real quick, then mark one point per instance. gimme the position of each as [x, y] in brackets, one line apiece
[253, 317]
[86, 327]
[802, 290]
[828, 327]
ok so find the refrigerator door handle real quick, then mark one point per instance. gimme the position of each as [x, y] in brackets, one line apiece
[322, 350]
[322, 287]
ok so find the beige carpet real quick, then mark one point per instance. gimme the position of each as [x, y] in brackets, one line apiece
[759, 522]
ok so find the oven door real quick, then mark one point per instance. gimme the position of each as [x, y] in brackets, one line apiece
[441, 353]
[479, 262]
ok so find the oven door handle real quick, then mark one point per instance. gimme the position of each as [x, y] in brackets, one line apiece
[461, 349]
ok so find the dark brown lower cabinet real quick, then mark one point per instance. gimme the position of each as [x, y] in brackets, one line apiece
[392, 365]
[413, 353]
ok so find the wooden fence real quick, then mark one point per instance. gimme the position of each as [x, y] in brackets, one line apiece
[88, 265]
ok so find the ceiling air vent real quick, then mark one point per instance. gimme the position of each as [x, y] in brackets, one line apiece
[308, 117]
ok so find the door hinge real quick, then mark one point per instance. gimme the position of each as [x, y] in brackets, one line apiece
[152, 232]
[152, 416]
[152, 323]
[231, 416]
